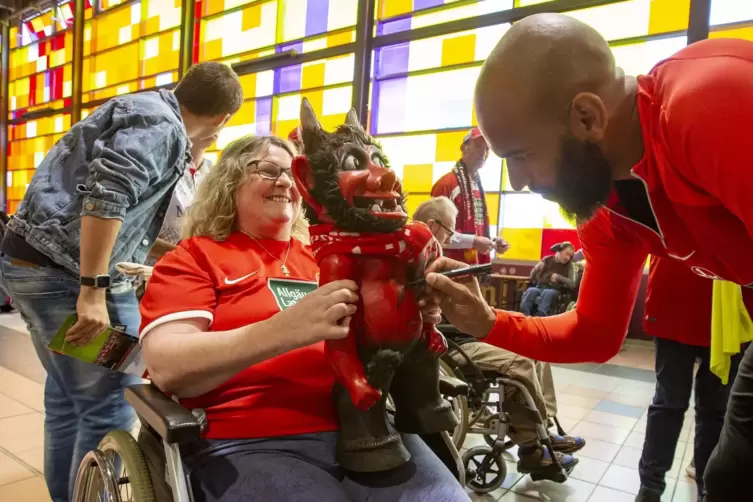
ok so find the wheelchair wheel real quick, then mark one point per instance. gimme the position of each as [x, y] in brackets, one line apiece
[459, 407]
[116, 472]
[484, 471]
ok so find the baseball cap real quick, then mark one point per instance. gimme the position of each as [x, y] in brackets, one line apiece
[472, 134]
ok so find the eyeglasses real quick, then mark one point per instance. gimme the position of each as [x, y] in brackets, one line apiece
[449, 231]
[269, 170]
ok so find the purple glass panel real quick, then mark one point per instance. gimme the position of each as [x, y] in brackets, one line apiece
[316, 16]
[295, 46]
[395, 26]
[288, 79]
[392, 60]
[263, 117]
[425, 4]
[389, 106]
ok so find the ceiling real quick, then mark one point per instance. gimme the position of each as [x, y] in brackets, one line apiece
[10, 8]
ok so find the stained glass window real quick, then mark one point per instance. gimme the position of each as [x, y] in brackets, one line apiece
[131, 47]
[29, 142]
[422, 97]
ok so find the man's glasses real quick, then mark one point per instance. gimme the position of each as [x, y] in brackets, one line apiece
[449, 231]
[269, 170]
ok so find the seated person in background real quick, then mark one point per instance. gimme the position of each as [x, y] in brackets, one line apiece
[439, 214]
[549, 278]
[233, 323]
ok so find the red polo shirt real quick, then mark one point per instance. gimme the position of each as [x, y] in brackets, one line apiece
[696, 112]
[235, 283]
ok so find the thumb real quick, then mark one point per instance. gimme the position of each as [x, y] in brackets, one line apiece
[455, 291]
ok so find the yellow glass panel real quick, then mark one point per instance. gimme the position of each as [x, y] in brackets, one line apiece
[745, 33]
[341, 38]
[246, 114]
[525, 243]
[417, 178]
[448, 146]
[313, 75]
[668, 15]
[391, 8]
[492, 207]
[458, 50]
[414, 200]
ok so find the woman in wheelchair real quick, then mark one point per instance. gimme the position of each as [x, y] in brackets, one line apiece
[233, 324]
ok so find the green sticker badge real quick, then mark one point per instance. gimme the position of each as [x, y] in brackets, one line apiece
[288, 292]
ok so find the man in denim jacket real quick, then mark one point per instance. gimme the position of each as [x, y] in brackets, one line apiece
[99, 198]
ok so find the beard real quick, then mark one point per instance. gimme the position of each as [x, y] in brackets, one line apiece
[583, 179]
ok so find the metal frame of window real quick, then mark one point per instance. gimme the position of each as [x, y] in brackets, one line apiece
[366, 42]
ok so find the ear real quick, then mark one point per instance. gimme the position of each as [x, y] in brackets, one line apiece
[311, 129]
[588, 117]
[304, 180]
[351, 119]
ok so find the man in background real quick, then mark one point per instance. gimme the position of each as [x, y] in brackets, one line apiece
[471, 243]
[678, 316]
[549, 278]
[98, 198]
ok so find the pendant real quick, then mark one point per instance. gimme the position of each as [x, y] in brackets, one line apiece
[285, 270]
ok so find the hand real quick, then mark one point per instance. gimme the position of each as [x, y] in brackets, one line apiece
[461, 301]
[482, 244]
[323, 314]
[501, 246]
[93, 318]
[555, 278]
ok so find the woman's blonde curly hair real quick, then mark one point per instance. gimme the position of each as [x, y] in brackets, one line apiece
[213, 212]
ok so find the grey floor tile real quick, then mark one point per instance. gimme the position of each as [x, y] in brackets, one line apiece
[609, 406]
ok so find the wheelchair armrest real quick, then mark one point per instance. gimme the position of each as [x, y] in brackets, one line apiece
[169, 419]
[452, 387]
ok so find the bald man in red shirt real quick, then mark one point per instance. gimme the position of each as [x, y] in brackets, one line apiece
[659, 164]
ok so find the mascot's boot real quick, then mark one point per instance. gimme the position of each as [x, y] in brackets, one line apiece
[368, 442]
[420, 409]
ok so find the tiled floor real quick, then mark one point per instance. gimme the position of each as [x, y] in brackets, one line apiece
[606, 404]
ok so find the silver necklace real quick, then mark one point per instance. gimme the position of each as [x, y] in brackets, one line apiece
[283, 267]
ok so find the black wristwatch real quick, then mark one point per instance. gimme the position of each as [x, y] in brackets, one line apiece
[96, 282]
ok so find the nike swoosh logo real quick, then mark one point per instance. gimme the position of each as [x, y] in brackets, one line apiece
[230, 282]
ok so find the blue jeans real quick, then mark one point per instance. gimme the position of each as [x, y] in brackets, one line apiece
[303, 468]
[83, 402]
[548, 297]
[674, 382]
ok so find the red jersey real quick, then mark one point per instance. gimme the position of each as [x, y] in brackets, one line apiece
[232, 284]
[695, 110]
[449, 187]
[678, 303]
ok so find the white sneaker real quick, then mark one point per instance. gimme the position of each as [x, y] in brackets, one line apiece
[690, 469]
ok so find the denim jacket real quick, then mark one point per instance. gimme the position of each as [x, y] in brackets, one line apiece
[121, 162]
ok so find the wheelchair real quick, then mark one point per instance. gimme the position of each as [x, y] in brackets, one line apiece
[150, 469]
[482, 410]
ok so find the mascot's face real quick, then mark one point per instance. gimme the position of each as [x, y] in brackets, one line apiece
[345, 178]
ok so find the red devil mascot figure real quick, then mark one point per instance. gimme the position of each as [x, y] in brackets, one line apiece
[360, 232]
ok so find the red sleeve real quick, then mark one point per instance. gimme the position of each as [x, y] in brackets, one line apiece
[180, 288]
[595, 330]
[710, 126]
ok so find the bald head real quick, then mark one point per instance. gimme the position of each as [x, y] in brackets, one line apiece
[543, 101]
[543, 61]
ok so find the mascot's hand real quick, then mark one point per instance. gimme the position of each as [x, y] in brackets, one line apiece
[363, 395]
[437, 342]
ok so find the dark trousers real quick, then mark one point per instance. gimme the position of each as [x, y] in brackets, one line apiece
[729, 471]
[674, 382]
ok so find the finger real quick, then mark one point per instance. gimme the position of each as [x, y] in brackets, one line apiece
[76, 329]
[454, 290]
[339, 296]
[336, 312]
[444, 264]
[338, 332]
[83, 336]
[345, 321]
[333, 286]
